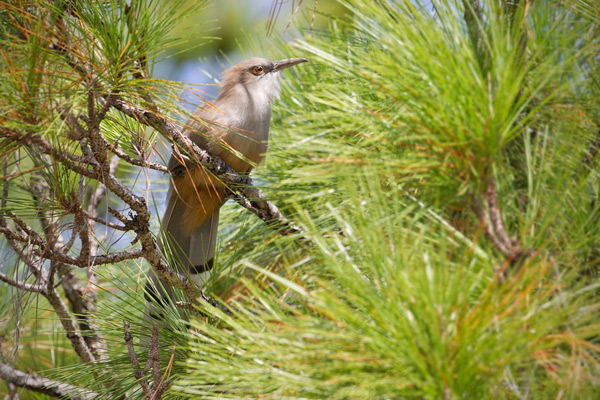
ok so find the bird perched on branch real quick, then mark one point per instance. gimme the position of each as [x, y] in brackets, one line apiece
[235, 128]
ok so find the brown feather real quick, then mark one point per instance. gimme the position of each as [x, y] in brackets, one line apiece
[202, 194]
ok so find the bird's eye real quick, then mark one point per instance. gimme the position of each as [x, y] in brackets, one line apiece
[258, 70]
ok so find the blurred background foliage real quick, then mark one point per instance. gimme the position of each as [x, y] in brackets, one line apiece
[219, 36]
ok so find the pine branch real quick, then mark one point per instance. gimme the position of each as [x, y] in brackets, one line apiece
[43, 249]
[144, 163]
[139, 223]
[28, 287]
[158, 387]
[46, 386]
[490, 215]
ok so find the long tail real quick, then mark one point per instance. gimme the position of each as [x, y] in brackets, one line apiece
[192, 252]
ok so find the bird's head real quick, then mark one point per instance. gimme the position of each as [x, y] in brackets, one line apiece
[258, 76]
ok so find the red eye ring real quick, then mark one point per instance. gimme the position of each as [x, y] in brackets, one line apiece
[259, 69]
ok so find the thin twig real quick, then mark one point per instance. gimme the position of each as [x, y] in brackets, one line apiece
[137, 372]
[159, 385]
[137, 162]
[28, 287]
[106, 223]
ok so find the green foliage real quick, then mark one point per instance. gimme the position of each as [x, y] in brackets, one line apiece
[59, 62]
[384, 149]
[396, 309]
[125, 302]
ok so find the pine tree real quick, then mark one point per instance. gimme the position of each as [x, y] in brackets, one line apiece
[442, 160]
[436, 171]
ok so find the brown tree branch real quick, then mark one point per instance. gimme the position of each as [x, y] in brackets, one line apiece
[42, 249]
[35, 265]
[106, 223]
[490, 216]
[158, 387]
[47, 386]
[28, 287]
[137, 371]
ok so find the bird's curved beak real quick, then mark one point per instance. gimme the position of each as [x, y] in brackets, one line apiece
[288, 62]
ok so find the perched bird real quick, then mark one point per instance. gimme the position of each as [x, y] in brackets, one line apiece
[235, 128]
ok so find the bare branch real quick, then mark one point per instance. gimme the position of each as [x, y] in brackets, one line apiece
[23, 285]
[44, 385]
[137, 162]
[153, 362]
[490, 216]
[104, 222]
[51, 295]
[42, 250]
[77, 341]
[137, 372]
